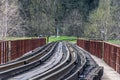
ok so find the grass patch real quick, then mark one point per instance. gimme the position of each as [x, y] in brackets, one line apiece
[114, 41]
[63, 38]
[51, 39]
[19, 38]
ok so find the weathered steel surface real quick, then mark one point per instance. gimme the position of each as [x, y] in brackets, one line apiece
[94, 47]
[10, 50]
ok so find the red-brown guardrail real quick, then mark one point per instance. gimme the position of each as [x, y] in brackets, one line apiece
[110, 53]
[118, 60]
[94, 47]
[10, 50]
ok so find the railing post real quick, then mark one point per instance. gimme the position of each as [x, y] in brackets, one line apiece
[102, 50]
[9, 50]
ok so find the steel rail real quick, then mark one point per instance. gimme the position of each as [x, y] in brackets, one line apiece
[92, 70]
[50, 63]
[59, 61]
[65, 70]
[34, 52]
[28, 54]
[56, 68]
[28, 64]
[24, 61]
[81, 64]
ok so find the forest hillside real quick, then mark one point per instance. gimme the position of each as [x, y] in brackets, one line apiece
[99, 19]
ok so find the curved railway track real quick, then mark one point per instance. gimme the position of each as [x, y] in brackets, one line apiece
[18, 67]
[54, 61]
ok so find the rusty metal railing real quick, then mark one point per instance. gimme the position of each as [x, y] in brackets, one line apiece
[10, 50]
[110, 53]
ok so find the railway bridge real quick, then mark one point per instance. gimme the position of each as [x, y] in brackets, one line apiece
[36, 60]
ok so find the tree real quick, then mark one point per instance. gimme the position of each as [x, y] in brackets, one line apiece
[100, 20]
[10, 19]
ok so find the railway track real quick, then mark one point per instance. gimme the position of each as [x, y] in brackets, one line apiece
[54, 61]
[17, 67]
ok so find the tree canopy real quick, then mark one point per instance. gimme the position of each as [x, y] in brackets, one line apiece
[82, 18]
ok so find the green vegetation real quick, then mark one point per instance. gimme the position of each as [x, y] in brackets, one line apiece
[51, 39]
[62, 38]
[104, 21]
[114, 41]
[19, 38]
[45, 17]
[93, 19]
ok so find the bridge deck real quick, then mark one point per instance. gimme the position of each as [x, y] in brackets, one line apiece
[109, 73]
